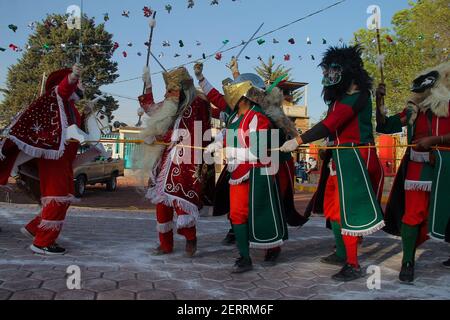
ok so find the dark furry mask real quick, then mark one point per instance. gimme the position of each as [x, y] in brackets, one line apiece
[353, 72]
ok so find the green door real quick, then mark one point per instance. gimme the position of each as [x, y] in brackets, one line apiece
[132, 154]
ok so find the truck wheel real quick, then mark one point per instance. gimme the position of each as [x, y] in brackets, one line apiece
[80, 186]
[111, 184]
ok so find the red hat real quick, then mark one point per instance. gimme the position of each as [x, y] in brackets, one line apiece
[55, 78]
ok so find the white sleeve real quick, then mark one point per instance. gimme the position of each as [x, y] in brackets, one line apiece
[244, 154]
[206, 86]
[253, 126]
[219, 136]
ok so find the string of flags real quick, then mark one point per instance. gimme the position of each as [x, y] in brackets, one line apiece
[147, 12]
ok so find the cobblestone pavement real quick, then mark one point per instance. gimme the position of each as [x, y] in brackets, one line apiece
[112, 248]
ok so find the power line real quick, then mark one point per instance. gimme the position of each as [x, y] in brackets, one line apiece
[256, 38]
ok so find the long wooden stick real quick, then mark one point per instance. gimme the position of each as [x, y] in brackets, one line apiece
[380, 53]
[249, 40]
[150, 39]
[80, 44]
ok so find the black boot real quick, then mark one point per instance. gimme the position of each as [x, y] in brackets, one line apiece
[230, 238]
[52, 250]
[348, 273]
[191, 248]
[407, 273]
[158, 251]
[242, 265]
[271, 257]
[446, 264]
[333, 259]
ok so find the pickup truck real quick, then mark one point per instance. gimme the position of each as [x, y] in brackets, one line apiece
[89, 168]
[97, 170]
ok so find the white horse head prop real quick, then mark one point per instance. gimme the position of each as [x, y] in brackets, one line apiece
[96, 124]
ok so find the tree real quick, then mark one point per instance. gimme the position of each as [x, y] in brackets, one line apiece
[53, 46]
[419, 38]
[269, 72]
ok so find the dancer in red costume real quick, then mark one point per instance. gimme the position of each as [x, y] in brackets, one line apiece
[176, 169]
[40, 134]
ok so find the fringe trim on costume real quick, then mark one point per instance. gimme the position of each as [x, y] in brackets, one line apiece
[271, 245]
[412, 185]
[64, 123]
[50, 225]
[157, 194]
[36, 152]
[186, 221]
[367, 232]
[45, 201]
[234, 182]
[419, 156]
[435, 238]
[172, 201]
[164, 227]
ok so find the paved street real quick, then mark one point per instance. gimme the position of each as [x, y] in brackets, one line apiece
[112, 248]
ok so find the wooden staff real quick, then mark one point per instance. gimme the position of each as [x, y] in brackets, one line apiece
[380, 53]
[80, 44]
[150, 39]
[380, 116]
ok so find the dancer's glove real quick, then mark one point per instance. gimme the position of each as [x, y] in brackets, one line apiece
[290, 146]
[198, 71]
[234, 66]
[146, 77]
[214, 147]
[239, 155]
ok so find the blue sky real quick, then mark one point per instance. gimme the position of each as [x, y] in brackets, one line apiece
[210, 24]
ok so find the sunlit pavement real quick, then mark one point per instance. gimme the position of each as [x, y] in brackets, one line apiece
[112, 249]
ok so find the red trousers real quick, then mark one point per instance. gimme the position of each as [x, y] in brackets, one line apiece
[164, 217]
[239, 198]
[417, 205]
[57, 189]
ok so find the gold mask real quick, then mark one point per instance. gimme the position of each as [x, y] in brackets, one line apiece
[233, 93]
[177, 79]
